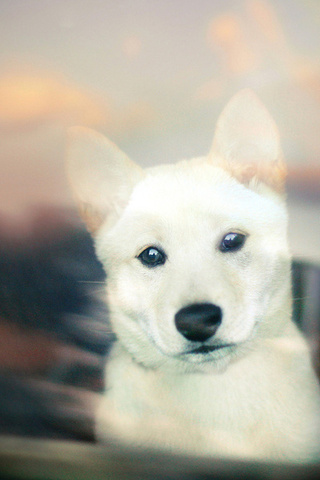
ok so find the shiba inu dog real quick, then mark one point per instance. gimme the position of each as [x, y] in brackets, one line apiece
[207, 359]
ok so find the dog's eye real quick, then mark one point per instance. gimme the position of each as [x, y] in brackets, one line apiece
[152, 257]
[232, 242]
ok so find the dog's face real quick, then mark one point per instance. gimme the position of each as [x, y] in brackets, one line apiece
[195, 253]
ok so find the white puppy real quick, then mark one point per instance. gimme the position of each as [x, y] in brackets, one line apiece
[207, 359]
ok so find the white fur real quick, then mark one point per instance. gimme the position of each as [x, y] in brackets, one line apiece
[257, 399]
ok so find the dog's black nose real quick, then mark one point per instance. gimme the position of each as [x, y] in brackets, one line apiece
[199, 321]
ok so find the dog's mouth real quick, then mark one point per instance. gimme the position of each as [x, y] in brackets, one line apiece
[205, 349]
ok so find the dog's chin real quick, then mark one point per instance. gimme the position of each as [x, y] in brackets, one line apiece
[215, 361]
[200, 359]
[211, 357]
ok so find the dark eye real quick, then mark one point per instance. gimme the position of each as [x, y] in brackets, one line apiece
[152, 257]
[232, 242]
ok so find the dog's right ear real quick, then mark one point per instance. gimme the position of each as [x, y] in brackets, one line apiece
[102, 177]
[246, 143]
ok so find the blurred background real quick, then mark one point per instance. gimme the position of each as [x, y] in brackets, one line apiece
[152, 76]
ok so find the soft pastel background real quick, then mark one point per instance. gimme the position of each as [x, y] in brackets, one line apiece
[153, 75]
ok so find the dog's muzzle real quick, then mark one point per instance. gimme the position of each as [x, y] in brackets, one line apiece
[198, 322]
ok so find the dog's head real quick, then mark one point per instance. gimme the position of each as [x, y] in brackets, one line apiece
[195, 253]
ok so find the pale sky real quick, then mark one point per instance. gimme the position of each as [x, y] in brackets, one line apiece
[152, 75]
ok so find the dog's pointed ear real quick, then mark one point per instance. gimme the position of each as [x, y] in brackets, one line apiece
[102, 177]
[246, 143]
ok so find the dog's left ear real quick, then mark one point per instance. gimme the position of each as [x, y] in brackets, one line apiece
[246, 143]
[101, 176]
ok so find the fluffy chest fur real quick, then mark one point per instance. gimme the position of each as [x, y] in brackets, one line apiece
[251, 410]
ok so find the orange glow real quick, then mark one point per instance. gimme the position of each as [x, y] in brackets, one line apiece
[225, 29]
[267, 21]
[227, 33]
[29, 99]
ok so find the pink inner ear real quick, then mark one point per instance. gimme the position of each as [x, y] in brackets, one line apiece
[272, 175]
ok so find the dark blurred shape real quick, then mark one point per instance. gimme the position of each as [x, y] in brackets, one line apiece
[44, 460]
[54, 332]
[43, 278]
[304, 182]
[306, 304]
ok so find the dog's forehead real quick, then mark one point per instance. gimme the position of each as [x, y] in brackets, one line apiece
[189, 189]
[174, 187]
